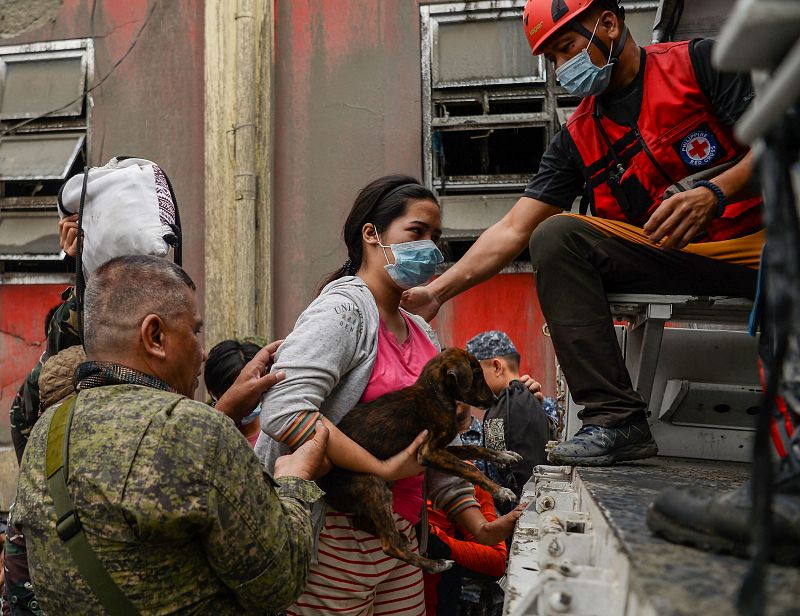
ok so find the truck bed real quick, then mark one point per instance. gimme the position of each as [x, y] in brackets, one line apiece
[617, 566]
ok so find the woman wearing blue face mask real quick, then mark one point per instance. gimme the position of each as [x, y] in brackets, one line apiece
[353, 344]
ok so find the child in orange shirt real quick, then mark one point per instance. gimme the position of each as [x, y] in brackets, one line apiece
[473, 559]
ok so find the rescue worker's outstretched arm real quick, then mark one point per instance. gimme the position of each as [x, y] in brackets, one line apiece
[493, 250]
[685, 215]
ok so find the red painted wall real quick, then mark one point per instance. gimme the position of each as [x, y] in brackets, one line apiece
[507, 302]
[22, 312]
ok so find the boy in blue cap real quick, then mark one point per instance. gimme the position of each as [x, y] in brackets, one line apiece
[516, 421]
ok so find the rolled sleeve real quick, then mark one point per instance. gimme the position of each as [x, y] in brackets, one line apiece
[299, 489]
[300, 429]
[449, 493]
[456, 500]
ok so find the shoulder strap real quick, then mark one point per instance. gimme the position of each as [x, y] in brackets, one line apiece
[68, 525]
[80, 280]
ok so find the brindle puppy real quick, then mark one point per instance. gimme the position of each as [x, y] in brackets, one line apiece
[389, 423]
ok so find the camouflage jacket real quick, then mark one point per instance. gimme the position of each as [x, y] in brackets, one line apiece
[61, 334]
[175, 505]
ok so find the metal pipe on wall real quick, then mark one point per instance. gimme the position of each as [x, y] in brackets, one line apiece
[245, 176]
[265, 149]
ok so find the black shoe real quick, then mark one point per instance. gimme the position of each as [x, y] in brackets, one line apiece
[722, 522]
[599, 446]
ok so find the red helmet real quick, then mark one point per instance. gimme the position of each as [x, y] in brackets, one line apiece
[542, 18]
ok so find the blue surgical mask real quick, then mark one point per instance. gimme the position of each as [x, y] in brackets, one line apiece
[252, 416]
[581, 77]
[414, 262]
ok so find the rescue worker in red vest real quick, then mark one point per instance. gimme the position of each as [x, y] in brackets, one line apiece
[653, 121]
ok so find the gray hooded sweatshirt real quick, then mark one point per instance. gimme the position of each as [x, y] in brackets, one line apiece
[328, 359]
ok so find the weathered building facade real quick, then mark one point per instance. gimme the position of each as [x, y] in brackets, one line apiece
[268, 118]
[141, 89]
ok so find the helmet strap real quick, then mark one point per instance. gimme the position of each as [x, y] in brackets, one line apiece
[578, 27]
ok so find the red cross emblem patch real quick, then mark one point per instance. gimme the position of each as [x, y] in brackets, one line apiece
[698, 148]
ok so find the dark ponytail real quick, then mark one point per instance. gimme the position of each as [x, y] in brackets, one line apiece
[379, 202]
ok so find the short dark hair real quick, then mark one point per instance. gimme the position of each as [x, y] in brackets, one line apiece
[225, 362]
[124, 290]
[613, 6]
[512, 358]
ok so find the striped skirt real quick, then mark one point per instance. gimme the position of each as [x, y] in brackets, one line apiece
[355, 578]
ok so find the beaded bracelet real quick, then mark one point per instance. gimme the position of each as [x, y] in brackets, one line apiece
[721, 200]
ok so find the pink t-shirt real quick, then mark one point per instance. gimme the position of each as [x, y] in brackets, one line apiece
[398, 365]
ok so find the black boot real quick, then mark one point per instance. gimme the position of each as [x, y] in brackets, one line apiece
[601, 446]
[723, 522]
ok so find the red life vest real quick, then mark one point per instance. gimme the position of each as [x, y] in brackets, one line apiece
[677, 134]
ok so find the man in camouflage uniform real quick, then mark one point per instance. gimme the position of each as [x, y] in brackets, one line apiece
[170, 496]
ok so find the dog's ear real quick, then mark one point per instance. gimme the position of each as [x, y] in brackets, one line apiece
[460, 376]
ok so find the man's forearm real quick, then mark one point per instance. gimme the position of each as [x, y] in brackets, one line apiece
[284, 580]
[259, 538]
[488, 255]
[736, 179]
[494, 249]
[485, 533]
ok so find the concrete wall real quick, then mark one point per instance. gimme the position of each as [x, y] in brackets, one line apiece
[347, 96]
[347, 110]
[151, 106]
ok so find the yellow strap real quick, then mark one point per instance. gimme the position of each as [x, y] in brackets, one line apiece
[55, 437]
[68, 524]
[739, 251]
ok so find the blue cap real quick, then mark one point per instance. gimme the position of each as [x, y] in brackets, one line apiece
[487, 345]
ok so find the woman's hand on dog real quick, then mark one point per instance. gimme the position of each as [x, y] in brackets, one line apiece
[534, 386]
[404, 464]
[309, 460]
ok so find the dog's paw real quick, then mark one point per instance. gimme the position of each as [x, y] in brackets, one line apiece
[508, 457]
[504, 494]
[438, 566]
